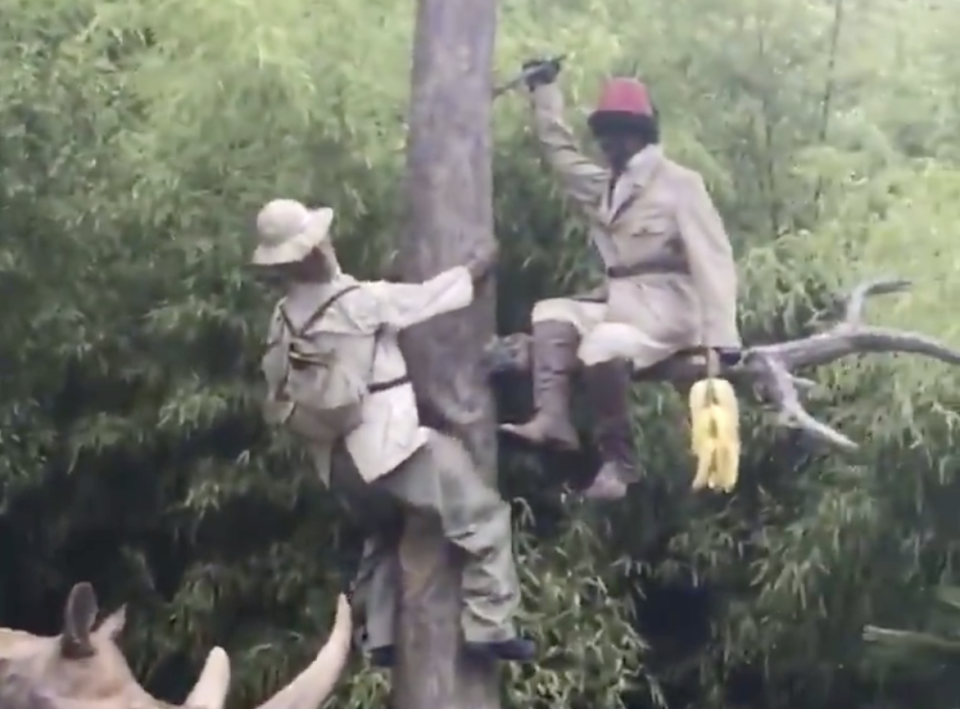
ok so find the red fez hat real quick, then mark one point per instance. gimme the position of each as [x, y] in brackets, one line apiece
[622, 101]
[623, 95]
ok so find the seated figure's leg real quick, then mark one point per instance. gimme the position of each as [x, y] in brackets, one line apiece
[609, 353]
[558, 327]
[441, 480]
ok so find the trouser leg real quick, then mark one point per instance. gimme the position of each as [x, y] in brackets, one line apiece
[442, 480]
[374, 593]
[607, 386]
[374, 589]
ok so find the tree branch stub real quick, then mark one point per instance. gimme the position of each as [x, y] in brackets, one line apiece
[771, 369]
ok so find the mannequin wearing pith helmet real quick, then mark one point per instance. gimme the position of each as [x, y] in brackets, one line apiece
[337, 380]
[671, 281]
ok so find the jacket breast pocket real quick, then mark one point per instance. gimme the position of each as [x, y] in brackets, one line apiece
[653, 223]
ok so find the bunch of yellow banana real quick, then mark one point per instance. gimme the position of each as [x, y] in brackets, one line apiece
[715, 434]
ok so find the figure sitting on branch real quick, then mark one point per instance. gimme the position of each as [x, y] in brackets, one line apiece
[337, 379]
[771, 370]
[671, 276]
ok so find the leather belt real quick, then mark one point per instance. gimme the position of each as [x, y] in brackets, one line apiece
[662, 265]
[391, 384]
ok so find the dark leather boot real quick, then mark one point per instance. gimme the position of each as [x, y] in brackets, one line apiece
[384, 656]
[513, 650]
[607, 387]
[554, 359]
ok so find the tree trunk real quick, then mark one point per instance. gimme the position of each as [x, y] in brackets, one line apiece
[450, 192]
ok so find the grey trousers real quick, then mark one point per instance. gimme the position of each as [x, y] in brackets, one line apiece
[440, 480]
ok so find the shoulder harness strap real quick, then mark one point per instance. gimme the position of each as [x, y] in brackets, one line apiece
[317, 314]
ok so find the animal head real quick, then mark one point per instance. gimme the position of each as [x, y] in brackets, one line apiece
[84, 668]
[84, 661]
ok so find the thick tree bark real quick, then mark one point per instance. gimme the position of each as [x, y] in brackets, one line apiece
[449, 192]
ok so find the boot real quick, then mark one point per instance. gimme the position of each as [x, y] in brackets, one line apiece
[554, 359]
[513, 650]
[608, 391]
[383, 656]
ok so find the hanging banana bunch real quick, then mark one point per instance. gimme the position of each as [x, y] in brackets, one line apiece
[715, 430]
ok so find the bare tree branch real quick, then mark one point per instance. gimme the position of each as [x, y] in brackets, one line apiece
[781, 389]
[771, 369]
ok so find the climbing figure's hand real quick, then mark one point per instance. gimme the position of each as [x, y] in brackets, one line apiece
[482, 262]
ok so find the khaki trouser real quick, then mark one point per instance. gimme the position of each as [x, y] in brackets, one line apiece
[440, 480]
[613, 333]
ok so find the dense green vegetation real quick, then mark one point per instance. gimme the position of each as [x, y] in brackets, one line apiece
[137, 140]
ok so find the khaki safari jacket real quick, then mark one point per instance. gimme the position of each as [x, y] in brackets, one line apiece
[391, 431]
[670, 266]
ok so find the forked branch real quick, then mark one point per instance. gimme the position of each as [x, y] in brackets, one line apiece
[771, 369]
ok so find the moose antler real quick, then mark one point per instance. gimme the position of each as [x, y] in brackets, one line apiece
[770, 369]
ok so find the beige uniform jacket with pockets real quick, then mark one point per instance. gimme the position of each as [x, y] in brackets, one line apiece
[657, 221]
[391, 430]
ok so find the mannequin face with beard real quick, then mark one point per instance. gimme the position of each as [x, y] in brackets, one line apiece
[620, 137]
[618, 146]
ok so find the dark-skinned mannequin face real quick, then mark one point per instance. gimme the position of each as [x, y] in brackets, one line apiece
[619, 146]
[620, 139]
[311, 269]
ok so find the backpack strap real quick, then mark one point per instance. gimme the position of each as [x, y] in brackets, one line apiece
[317, 314]
[277, 337]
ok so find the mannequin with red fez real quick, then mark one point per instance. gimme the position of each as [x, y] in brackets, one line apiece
[671, 277]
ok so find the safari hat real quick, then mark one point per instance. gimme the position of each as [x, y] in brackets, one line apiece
[288, 231]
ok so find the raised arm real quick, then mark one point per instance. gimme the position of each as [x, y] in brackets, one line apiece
[711, 262]
[582, 180]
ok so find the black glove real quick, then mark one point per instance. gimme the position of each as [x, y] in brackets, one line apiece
[540, 72]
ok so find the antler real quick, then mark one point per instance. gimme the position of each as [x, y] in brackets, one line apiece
[771, 368]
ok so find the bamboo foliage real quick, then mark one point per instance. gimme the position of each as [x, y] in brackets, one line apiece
[137, 139]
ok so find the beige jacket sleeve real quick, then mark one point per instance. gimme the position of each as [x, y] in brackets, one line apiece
[400, 305]
[582, 180]
[712, 264]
